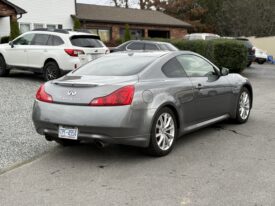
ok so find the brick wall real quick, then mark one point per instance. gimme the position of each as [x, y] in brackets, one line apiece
[175, 33]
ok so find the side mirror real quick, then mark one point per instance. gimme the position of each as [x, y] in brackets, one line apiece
[224, 71]
[11, 44]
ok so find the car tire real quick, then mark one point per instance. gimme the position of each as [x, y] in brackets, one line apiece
[3, 67]
[249, 64]
[67, 142]
[261, 61]
[163, 133]
[51, 71]
[243, 107]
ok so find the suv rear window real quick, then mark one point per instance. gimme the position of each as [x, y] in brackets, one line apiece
[124, 65]
[86, 41]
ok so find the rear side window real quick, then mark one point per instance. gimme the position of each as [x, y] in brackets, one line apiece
[86, 41]
[125, 65]
[168, 47]
[40, 39]
[136, 46]
[151, 47]
[173, 69]
[55, 41]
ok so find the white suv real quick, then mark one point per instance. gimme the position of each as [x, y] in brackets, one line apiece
[52, 53]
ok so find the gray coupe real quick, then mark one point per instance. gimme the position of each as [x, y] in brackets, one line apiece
[145, 99]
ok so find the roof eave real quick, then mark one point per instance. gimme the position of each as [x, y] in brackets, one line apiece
[18, 9]
[141, 23]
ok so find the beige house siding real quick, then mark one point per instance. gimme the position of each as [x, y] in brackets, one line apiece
[265, 43]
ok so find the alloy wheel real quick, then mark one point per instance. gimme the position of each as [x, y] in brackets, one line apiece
[244, 105]
[165, 131]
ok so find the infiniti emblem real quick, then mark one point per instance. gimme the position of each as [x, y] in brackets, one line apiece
[71, 93]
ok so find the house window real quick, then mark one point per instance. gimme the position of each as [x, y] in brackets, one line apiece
[38, 26]
[51, 26]
[135, 33]
[104, 34]
[24, 27]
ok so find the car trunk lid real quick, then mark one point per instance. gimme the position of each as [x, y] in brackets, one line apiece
[81, 90]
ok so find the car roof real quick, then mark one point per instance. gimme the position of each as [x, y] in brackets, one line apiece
[70, 33]
[147, 41]
[150, 53]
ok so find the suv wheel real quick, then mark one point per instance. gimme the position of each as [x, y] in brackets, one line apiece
[163, 133]
[3, 67]
[51, 71]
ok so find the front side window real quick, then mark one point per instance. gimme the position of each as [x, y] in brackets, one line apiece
[40, 39]
[125, 65]
[173, 69]
[88, 41]
[24, 40]
[136, 46]
[196, 66]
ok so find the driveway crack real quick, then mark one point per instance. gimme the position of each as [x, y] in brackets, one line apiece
[231, 130]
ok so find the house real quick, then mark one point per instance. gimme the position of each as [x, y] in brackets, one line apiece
[32, 14]
[106, 21]
[109, 22]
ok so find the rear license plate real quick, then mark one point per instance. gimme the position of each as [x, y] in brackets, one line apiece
[68, 133]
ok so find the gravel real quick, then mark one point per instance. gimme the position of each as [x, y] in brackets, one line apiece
[19, 141]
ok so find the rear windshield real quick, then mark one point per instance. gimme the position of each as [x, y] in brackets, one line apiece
[125, 65]
[86, 41]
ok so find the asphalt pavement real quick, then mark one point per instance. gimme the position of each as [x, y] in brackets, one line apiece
[225, 164]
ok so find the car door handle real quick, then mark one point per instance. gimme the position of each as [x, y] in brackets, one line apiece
[199, 86]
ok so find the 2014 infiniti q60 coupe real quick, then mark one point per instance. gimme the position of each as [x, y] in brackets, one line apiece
[141, 99]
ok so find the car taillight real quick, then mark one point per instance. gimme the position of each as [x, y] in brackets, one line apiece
[74, 52]
[42, 95]
[120, 97]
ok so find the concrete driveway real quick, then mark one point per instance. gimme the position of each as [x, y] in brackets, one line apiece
[225, 164]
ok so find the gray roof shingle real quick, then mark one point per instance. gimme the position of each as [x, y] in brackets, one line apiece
[110, 14]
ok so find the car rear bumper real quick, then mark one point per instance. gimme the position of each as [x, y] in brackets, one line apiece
[117, 125]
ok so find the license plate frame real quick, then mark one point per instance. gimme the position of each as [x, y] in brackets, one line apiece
[68, 132]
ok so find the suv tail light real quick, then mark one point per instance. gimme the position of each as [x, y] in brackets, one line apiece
[120, 97]
[42, 95]
[74, 52]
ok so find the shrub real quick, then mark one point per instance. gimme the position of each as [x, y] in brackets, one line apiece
[15, 32]
[5, 39]
[222, 52]
[77, 23]
[127, 34]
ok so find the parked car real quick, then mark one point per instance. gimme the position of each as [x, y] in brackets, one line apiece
[250, 49]
[260, 56]
[52, 53]
[142, 45]
[145, 99]
[201, 36]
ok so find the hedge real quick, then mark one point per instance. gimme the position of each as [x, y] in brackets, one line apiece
[222, 52]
